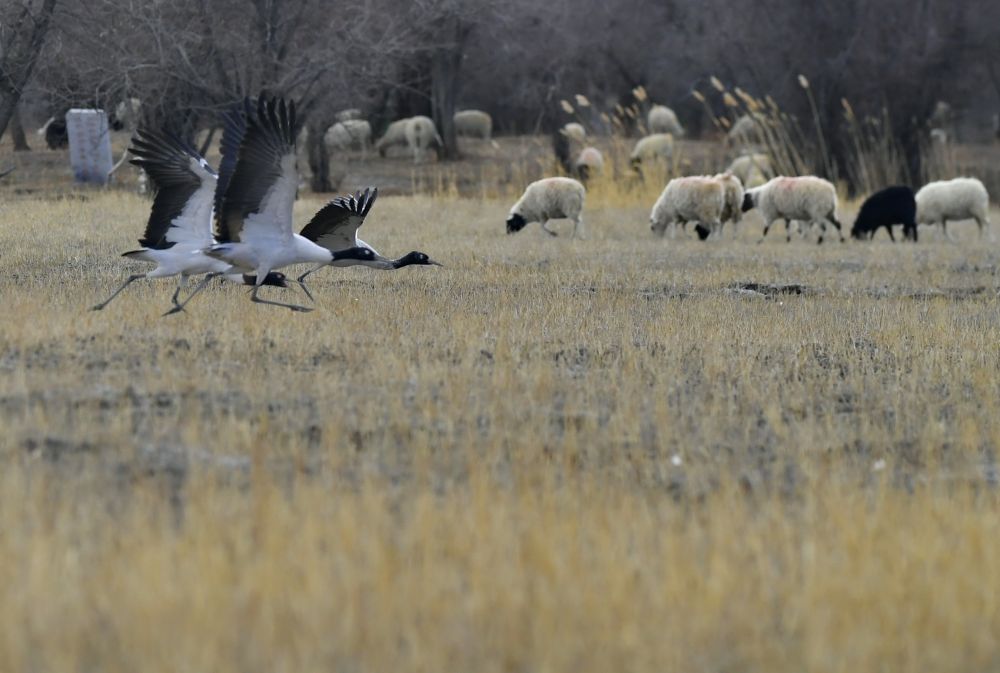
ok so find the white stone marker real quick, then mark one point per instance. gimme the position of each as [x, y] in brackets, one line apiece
[89, 145]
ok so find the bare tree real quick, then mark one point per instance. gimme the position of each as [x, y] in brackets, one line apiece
[22, 33]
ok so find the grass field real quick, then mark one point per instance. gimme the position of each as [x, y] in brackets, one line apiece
[616, 454]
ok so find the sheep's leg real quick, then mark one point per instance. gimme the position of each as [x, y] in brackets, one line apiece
[578, 228]
[822, 231]
[767, 227]
[888, 228]
[944, 228]
[545, 228]
[833, 218]
[979, 221]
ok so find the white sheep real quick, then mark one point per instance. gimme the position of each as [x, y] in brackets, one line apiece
[128, 112]
[348, 115]
[810, 199]
[656, 147]
[395, 134]
[350, 134]
[753, 170]
[549, 199]
[732, 211]
[421, 134]
[958, 199]
[698, 198]
[589, 163]
[745, 131]
[575, 132]
[416, 133]
[473, 124]
[662, 119]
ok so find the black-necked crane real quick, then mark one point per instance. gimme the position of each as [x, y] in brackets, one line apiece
[254, 221]
[180, 223]
[335, 227]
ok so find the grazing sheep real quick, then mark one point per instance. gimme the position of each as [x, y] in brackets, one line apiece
[348, 135]
[473, 124]
[575, 132]
[939, 138]
[416, 133]
[657, 147]
[348, 115]
[958, 199]
[395, 134]
[549, 199]
[662, 119]
[699, 199]
[421, 134]
[808, 198]
[753, 170]
[745, 131]
[126, 115]
[589, 163]
[733, 187]
[892, 205]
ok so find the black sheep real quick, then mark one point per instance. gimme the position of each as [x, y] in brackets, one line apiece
[892, 205]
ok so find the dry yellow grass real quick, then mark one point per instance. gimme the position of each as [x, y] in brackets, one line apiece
[551, 455]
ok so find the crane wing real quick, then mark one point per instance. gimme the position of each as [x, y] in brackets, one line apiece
[184, 185]
[335, 226]
[257, 204]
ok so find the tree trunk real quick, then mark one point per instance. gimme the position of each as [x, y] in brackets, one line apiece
[319, 159]
[17, 132]
[446, 63]
[19, 57]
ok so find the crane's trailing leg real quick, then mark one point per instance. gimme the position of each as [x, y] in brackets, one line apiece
[131, 279]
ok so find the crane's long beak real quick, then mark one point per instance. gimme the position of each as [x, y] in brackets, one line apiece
[431, 261]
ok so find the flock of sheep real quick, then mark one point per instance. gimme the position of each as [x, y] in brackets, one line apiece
[710, 201]
[417, 134]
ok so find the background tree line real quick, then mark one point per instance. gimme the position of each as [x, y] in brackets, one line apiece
[187, 59]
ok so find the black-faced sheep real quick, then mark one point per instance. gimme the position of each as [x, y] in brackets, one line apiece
[549, 199]
[658, 147]
[892, 205]
[699, 199]
[807, 198]
[589, 163]
[958, 199]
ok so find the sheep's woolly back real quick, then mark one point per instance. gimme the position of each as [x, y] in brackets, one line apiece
[733, 209]
[473, 124]
[574, 131]
[691, 199]
[592, 158]
[753, 170]
[662, 119]
[348, 114]
[745, 130]
[656, 146]
[805, 198]
[395, 134]
[421, 133]
[551, 199]
[345, 134]
[958, 199]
